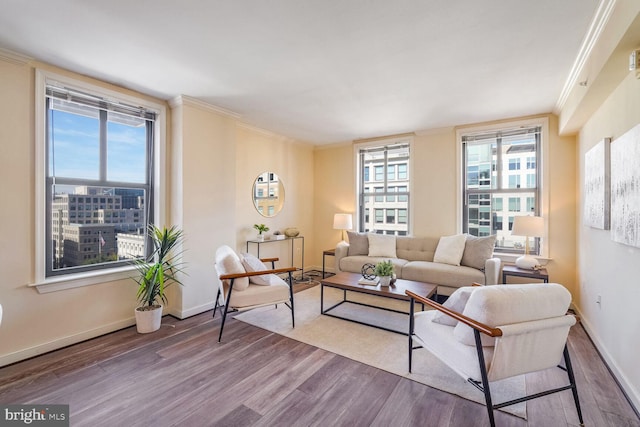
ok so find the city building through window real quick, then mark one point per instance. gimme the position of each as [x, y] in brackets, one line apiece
[500, 180]
[385, 192]
[99, 164]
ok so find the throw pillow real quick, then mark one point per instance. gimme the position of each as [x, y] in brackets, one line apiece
[228, 262]
[477, 250]
[456, 302]
[358, 243]
[450, 249]
[382, 245]
[252, 263]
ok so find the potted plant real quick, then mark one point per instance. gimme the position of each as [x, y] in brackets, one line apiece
[156, 273]
[384, 270]
[261, 229]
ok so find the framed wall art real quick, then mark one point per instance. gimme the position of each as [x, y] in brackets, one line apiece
[597, 186]
[625, 188]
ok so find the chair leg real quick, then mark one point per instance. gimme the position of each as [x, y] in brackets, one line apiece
[226, 309]
[293, 317]
[485, 379]
[216, 306]
[572, 382]
[411, 312]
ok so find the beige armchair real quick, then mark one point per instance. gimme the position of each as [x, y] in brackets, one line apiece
[489, 333]
[239, 293]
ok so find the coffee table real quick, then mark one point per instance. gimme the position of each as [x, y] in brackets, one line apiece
[348, 282]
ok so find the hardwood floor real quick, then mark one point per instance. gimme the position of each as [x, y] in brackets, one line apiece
[181, 376]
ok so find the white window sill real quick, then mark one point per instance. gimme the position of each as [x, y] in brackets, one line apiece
[70, 281]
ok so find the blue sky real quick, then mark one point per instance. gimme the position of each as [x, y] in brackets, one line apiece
[76, 148]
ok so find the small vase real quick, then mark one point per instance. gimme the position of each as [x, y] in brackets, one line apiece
[385, 280]
[260, 237]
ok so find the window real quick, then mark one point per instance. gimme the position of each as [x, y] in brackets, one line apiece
[493, 165]
[390, 196]
[97, 151]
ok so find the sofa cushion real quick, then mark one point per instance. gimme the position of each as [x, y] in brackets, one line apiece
[353, 264]
[477, 250]
[416, 248]
[382, 245]
[257, 295]
[441, 274]
[501, 305]
[228, 262]
[450, 249]
[456, 302]
[358, 243]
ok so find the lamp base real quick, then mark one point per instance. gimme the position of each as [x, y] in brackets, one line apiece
[527, 262]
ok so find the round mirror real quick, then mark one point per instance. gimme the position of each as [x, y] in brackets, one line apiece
[268, 194]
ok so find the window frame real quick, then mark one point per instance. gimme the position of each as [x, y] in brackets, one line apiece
[543, 188]
[76, 279]
[381, 142]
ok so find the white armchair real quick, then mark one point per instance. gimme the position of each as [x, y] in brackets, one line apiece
[238, 293]
[489, 333]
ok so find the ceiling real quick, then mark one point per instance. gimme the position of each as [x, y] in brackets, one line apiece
[321, 71]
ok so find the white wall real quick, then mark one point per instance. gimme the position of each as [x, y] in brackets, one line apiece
[608, 269]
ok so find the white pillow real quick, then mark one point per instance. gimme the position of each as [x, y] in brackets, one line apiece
[252, 263]
[383, 245]
[456, 302]
[228, 262]
[450, 249]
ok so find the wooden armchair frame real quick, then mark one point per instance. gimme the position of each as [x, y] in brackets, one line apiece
[229, 279]
[483, 386]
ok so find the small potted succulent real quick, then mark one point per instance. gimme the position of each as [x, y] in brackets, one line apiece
[261, 229]
[384, 270]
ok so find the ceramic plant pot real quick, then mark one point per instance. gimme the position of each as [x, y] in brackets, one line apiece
[148, 320]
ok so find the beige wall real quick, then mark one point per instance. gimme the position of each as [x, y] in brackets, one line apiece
[608, 269]
[260, 151]
[435, 208]
[34, 323]
[212, 160]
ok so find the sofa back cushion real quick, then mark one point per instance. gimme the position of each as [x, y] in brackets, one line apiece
[416, 248]
[477, 251]
[358, 243]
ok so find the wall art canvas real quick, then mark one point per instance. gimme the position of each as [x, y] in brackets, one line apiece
[625, 188]
[597, 186]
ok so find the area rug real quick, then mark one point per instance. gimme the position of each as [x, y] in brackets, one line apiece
[375, 347]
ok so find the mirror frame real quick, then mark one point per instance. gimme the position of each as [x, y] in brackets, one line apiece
[268, 192]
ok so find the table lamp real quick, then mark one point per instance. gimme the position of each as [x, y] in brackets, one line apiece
[342, 221]
[528, 226]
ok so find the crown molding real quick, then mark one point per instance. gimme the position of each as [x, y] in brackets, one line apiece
[14, 57]
[196, 103]
[600, 19]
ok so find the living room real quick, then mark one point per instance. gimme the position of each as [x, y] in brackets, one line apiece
[212, 158]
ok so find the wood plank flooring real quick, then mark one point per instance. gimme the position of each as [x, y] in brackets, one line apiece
[181, 376]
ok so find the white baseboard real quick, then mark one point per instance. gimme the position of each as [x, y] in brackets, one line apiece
[65, 341]
[627, 387]
[183, 314]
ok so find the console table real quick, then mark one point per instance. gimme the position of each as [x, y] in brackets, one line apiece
[289, 240]
[512, 270]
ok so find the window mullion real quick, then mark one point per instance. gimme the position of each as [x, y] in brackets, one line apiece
[103, 146]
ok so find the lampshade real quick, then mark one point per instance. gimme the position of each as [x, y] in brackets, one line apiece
[530, 226]
[342, 221]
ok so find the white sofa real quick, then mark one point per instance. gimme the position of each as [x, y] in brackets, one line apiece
[414, 259]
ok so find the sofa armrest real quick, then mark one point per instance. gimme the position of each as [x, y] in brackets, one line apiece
[342, 250]
[491, 271]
